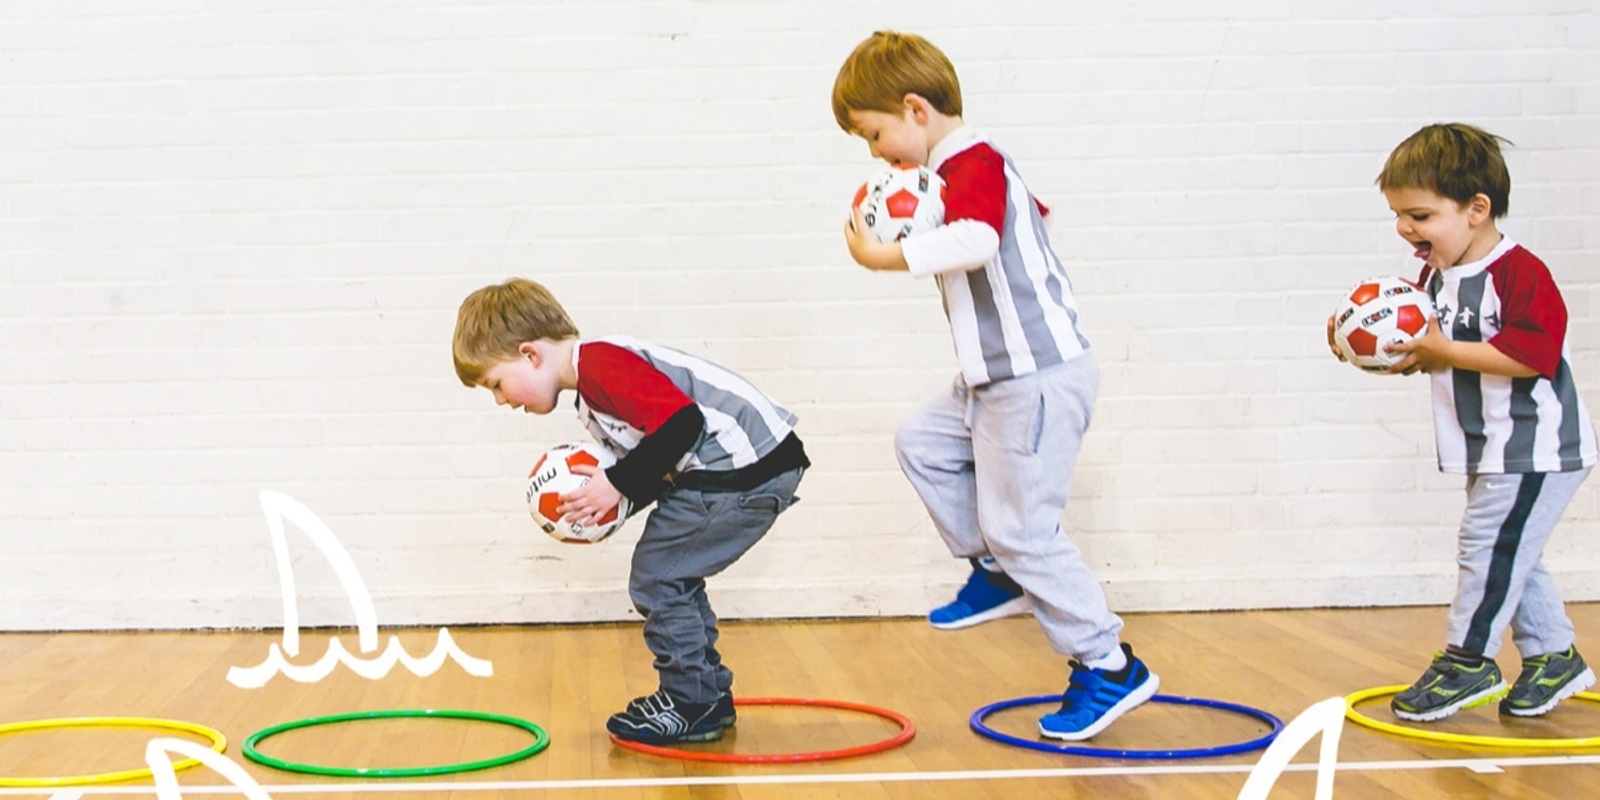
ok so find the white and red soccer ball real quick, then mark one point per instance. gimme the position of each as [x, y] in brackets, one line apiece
[1378, 312]
[902, 200]
[552, 477]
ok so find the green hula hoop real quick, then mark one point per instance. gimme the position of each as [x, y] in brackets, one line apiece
[541, 740]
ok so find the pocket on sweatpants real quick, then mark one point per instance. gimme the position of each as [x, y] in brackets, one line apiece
[1036, 427]
[1011, 414]
[1026, 416]
[770, 503]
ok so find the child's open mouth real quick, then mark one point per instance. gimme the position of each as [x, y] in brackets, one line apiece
[1424, 250]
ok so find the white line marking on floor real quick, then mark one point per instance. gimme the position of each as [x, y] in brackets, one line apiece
[1476, 764]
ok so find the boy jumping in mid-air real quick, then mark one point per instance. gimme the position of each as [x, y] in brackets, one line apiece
[992, 457]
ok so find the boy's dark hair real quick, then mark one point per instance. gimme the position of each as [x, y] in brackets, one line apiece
[1456, 160]
[882, 70]
[495, 320]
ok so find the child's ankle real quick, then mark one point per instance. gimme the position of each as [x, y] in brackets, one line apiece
[1464, 656]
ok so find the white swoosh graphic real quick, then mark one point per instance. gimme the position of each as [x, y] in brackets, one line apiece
[279, 507]
[371, 669]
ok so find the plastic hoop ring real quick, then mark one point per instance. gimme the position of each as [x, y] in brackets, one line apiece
[541, 740]
[214, 737]
[977, 724]
[1457, 738]
[907, 731]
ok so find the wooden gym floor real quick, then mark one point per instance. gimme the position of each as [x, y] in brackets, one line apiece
[569, 678]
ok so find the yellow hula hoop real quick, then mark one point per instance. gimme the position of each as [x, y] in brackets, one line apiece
[218, 743]
[1459, 738]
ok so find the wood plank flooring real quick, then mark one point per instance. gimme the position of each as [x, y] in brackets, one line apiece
[568, 679]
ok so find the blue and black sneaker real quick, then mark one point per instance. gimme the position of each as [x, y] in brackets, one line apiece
[1095, 698]
[661, 719]
[987, 596]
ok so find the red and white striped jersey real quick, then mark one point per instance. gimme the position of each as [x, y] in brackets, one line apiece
[1488, 424]
[1005, 292]
[627, 388]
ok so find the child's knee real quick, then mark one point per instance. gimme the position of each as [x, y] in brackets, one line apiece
[910, 441]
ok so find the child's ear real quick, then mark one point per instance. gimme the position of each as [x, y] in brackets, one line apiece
[917, 106]
[1479, 209]
[530, 350]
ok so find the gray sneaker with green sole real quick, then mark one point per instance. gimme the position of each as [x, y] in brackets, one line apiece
[1447, 687]
[1545, 681]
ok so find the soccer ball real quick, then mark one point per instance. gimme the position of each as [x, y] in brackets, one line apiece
[552, 476]
[1379, 312]
[902, 200]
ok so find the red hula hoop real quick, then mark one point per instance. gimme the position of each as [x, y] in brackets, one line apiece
[907, 731]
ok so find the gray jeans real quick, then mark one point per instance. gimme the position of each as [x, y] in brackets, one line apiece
[992, 466]
[688, 537]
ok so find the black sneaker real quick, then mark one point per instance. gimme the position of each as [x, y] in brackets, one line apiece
[1447, 687]
[725, 711]
[1545, 681]
[661, 719]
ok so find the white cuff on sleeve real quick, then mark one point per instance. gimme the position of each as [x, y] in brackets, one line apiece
[960, 246]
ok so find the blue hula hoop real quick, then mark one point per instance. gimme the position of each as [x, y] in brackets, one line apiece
[977, 718]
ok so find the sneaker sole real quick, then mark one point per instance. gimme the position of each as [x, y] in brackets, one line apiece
[1135, 698]
[1578, 684]
[1485, 697]
[1010, 608]
[659, 741]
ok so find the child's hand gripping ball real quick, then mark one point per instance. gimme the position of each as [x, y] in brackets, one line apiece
[902, 200]
[552, 477]
[1378, 312]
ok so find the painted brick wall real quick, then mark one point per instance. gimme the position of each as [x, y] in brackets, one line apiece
[233, 237]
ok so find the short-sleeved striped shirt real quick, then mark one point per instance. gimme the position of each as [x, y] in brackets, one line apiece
[1016, 314]
[1487, 424]
[627, 388]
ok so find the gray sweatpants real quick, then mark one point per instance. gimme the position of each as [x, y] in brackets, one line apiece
[688, 537]
[993, 465]
[1501, 577]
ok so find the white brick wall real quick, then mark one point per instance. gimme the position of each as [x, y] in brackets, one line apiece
[233, 236]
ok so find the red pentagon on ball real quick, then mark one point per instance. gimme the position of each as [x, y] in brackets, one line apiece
[1362, 342]
[1364, 293]
[1410, 319]
[901, 204]
[548, 503]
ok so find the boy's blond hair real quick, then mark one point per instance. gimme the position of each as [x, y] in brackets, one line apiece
[1455, 160]
[885, 68]
[495, 320]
